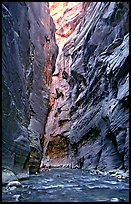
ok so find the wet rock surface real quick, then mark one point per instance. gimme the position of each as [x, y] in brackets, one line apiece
[44, 52]
[14, 183]
[15, 106]
[28, 58]
[8, 176]
[90, 92]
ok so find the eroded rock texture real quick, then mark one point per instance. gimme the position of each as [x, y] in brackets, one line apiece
[88, 125]
[66, 16]
[15, 106]
[28, 59]
[43, 52]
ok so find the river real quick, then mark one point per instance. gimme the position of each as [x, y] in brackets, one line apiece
[68, 185]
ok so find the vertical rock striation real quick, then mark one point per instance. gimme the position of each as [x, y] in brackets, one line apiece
[28, 59]
[88, 125]
[43, 52]
[66, 15]
[86, 94]
[15, 106]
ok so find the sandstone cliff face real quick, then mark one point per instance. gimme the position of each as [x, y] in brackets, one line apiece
[15, 106]
[88, 125]
[87, 96]
[28, 59]
[66, 16]
[43, 52]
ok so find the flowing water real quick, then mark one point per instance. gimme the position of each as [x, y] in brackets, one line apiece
[69, 185]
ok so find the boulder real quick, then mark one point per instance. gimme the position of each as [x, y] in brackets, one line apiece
[8, 176]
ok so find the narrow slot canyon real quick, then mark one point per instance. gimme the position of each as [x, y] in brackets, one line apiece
[65, 101]
[56, 152]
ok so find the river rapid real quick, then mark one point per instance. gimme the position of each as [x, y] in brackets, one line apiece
[68, 185]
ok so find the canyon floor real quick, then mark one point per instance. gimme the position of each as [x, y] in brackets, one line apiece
[68, 185]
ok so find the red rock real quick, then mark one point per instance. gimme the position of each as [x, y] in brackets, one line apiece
[66, 16]
[92, 73]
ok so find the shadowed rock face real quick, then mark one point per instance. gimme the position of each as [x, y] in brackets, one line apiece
[86, 92]
[15, 106]
[44, 52]
[28, 56]
[89, 92]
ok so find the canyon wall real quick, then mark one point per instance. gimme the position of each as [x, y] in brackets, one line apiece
[88, 123]
[28, 58]
[66, 16]
[82, 100]
[43, 52]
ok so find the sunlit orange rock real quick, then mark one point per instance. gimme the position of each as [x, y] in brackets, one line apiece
[66, 16]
